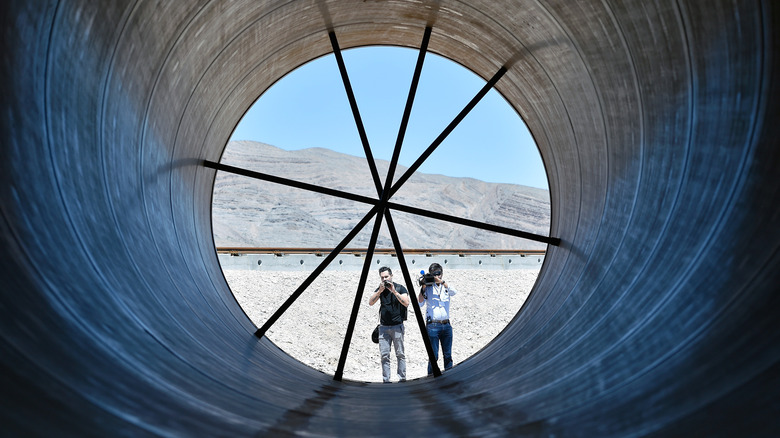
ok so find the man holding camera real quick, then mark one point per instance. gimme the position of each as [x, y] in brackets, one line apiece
[394, 300]
[435, 293]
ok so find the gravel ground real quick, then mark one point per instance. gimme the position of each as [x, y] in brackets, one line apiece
[313, 329]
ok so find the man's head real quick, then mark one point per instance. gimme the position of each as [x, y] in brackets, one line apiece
[385, 273]
[437, 271]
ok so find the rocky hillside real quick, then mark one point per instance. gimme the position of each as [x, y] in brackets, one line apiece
[249, 212]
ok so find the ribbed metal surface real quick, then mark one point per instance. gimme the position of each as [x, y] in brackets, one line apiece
[657, 122]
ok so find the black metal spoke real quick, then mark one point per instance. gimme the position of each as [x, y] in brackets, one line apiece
[408, 108]
[321, 267]
[355, 112]
[358, 297]
[412, 295]
[381, 207]
[290, 182]
[474, 224]
[461, 115]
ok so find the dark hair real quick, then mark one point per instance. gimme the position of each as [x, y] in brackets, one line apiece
[435, 267]
[385, 268]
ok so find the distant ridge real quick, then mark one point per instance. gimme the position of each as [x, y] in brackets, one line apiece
[248, 212]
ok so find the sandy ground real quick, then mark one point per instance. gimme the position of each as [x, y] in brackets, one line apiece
[313, 329]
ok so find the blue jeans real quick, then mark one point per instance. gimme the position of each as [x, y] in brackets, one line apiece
[392, 335]
[440, 334]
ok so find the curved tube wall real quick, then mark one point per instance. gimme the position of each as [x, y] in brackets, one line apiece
[657, 124]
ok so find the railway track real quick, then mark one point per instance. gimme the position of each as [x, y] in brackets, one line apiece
[361, 251]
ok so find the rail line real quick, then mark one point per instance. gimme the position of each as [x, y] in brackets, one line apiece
[361, 251]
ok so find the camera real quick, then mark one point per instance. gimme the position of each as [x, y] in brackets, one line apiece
[427, 280]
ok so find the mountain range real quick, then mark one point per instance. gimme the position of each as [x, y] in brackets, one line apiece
[247, 212]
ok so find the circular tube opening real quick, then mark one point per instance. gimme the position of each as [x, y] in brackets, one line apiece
[308, 114]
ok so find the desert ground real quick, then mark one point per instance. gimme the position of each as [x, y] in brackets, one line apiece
[313, 329]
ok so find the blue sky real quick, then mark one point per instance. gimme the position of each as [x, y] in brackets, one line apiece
[309, 108]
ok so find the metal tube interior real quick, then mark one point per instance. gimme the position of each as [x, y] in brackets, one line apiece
[657, 123]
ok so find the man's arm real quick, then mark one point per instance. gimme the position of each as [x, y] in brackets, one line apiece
[403, 298]
[450, 290]
[375, 296]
